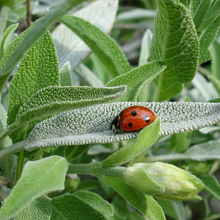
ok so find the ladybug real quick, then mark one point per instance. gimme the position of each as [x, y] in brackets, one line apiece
[133, 118]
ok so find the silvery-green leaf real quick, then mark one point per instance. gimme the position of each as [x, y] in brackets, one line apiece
[145, 47]
[55, 99]
[65, 77]
[87, 76]
[40, 209]
[137, 13]
[69, 46]
[35, 181]
[6, 37]
[207, 38]
[92, 124]
[20, 46]
[175, 42]
[136, 78]
[101, 44]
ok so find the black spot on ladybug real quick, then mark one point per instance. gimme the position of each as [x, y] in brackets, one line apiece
[146, 118]
[134, 113]
[130, 125]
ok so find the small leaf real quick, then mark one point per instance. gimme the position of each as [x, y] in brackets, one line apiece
[206, 39]
[40, 209]
[96, 202]
[146, 204]
[213, 13]
[175, 42]
[72, 207]
[206, 151]
[37, 178]
[92, 124]
[87, 76]
[145, 140]
[215, 54]
[27, 38]
[101, 44]
[6, 37]
[69, 46]
[201, 11]
[65, 75]
[52, 100]
[136, 78]
[145, 47]
[211, 185]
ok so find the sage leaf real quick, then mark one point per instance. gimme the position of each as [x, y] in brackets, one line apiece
[73, 207]
[175, 42]
[55, 99]
[136, 78]
[69, 46]
[35, 181]
[19, 46]
[96, 202]
[38, 69]
[207, 38]
[65, 75]
[144, 203]
[41, 208]
[101, 44]
[6, 37]
[92, 124]
[129, 152]
[211, 185]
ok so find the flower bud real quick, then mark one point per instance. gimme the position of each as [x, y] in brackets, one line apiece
[163, 181]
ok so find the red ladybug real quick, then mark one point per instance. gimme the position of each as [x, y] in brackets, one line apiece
[132, 119]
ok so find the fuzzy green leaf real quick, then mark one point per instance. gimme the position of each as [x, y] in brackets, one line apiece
[213, 13]
[174, 42]
[92, 124]
[70, 48]
[201, 11]
[6, 37]
[40, 209]
[38, 69]
[211, 185]
[215, 54]
[146, 204]
[101, 44]
[19, 46]
[127, 153]
[65, 75]
[136, 78]
[73, 207]
[87, 76]
[38, 178]
[55, 99]
[206, 40]
[96, 202]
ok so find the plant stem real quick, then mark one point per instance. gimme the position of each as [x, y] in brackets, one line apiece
[4, 154]
[20, 165]
[96, 169]
[28, 8]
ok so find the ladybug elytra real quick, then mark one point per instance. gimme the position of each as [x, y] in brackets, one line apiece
[133, 118]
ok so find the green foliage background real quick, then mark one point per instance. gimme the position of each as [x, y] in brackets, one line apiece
[63, 83]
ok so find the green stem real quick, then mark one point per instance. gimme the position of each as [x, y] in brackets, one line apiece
[4, 154]
[96, 169]
[39, 154]
[8, 130]
[71, 153]
[19, 165]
